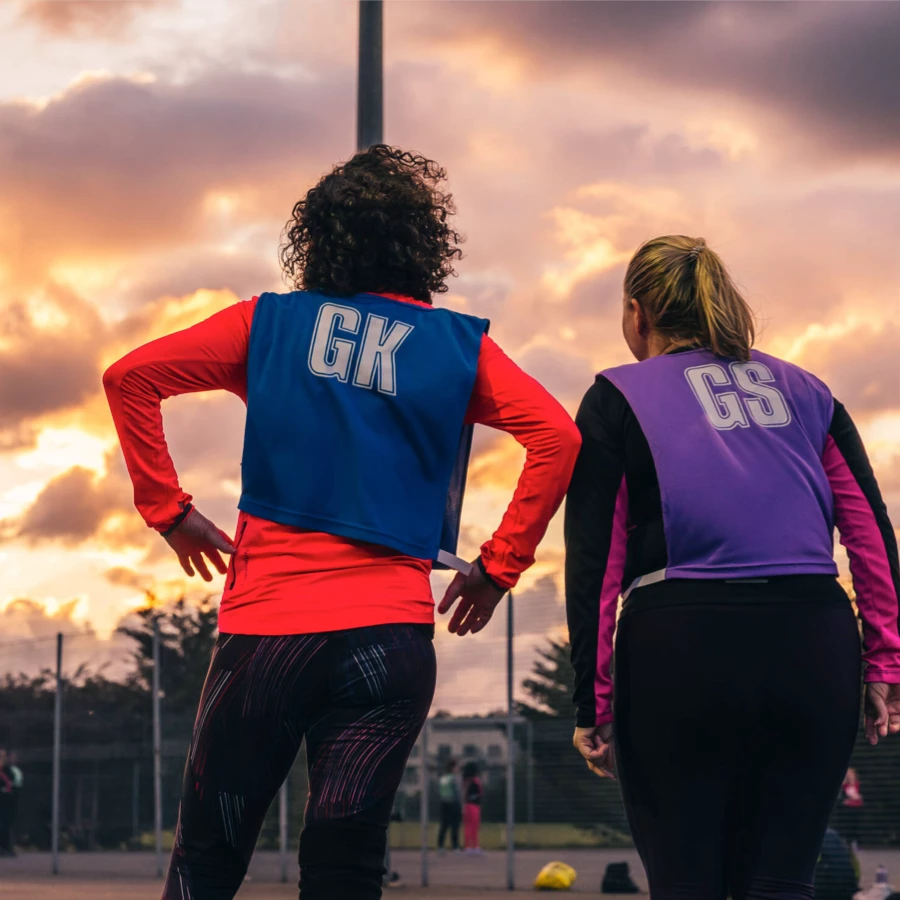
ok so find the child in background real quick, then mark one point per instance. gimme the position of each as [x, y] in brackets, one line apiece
[473, 792]
[451, 806]
[852, 803]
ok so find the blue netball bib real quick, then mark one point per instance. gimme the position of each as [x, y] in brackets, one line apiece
[355, 414]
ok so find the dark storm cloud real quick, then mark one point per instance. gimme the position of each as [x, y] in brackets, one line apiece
[831, 69]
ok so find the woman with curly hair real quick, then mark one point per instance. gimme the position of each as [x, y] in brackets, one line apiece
[357, 392]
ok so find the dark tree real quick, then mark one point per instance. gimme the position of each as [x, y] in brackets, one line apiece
[549, 689]
[187, 636]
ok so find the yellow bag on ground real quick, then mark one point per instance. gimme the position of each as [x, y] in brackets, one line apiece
[555, 876]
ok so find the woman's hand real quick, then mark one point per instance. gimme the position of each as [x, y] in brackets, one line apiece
[478, 600]
[882, 710]
[597, 747]
[197, 536]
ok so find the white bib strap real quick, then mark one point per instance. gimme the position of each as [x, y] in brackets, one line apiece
[451, 561]
[644, 580]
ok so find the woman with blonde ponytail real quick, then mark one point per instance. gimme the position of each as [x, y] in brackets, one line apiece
[710, 480]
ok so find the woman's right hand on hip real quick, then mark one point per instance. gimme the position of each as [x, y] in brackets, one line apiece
[882, 710]
[195, 538]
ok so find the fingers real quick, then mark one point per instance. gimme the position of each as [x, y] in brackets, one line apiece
[877, 717]
[879, 707]
[186, 565]
[871, 731]
[453, 593]
[217, 561]
[482, 620]
[459, 616]
[593, 751]
[221, 541]
[470, 620]
[201, 567]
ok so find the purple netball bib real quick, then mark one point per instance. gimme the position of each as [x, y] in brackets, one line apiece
[738, 449]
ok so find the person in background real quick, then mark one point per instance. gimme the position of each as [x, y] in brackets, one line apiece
[358, 389]
[709, 485]
[7, 804]
[473, 792]
[392, 879]
[451, 806]
[18, 780]
[851, 808]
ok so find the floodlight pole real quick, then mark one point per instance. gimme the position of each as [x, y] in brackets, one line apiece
[370, 90]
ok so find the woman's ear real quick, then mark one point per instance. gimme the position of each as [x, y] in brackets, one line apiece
[641, 324]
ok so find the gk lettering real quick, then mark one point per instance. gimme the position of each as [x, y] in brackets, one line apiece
[754, 400]
[336, 343]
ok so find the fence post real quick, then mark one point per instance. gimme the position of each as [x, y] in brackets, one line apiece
[510, 753]
[157, 754]
[530, 764]
[135, 799]
[423, 805]
[57, 755]
[283, 829]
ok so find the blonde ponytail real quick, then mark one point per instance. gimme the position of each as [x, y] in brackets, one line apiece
[689, 297]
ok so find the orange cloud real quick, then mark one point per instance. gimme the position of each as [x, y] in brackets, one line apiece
[48, 358]
[86, 18]
[74, 507]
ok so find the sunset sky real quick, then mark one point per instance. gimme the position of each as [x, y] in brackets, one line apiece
[150, 153]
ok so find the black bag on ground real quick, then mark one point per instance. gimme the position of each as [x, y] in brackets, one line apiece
[836, 877]
[617, 880]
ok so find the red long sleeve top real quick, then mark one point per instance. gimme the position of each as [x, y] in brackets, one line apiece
[287, 580]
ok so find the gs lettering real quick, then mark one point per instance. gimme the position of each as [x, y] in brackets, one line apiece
[755, 400]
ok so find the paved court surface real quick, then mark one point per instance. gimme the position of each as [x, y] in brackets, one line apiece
[453, 871]
[130, 876]
[94, 890]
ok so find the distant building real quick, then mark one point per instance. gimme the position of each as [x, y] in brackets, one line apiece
[465, 739]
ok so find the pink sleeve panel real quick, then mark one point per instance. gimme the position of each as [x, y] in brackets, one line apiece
[876, 597]
[609, 605]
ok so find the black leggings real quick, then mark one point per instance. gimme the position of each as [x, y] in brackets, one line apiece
[359, 697]
[734, 728]
[451, 819]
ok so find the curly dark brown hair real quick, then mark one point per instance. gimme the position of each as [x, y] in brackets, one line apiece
[377, 223]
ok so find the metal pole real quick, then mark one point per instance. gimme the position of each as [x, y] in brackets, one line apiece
[157, 754]
[57, 755]
[531, 772]
[510, 755]
[283, 830]
[423, 806]
[135, 798]
[370, 93]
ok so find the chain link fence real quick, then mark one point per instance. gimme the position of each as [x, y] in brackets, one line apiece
[82, 731]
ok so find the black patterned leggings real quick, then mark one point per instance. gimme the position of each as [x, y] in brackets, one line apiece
[359, 698]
